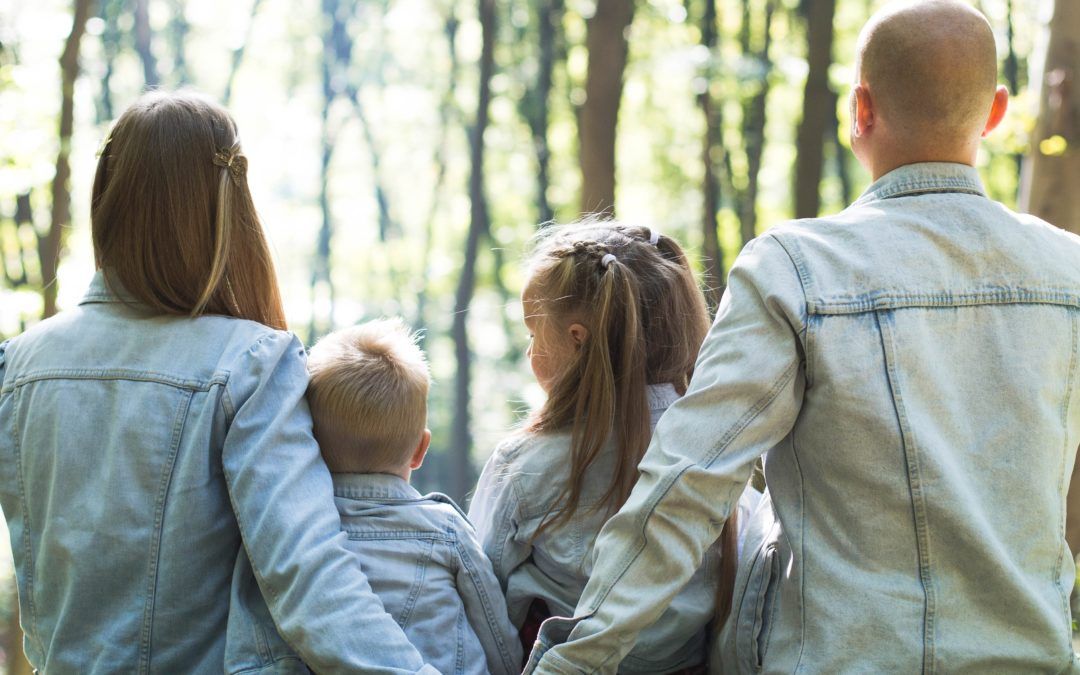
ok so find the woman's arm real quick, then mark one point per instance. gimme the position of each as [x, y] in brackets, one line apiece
[282, 496]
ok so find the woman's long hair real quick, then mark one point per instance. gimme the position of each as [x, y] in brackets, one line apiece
[172, 218]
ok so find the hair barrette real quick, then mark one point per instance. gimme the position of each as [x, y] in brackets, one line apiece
[234, 162]
[654, 238]
[104, 146]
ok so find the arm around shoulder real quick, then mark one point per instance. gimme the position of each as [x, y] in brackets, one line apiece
[282, 496]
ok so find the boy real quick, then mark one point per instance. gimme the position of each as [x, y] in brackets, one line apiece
[909, 369]
[368, 396]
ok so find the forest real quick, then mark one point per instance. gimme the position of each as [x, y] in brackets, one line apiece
[403, 152]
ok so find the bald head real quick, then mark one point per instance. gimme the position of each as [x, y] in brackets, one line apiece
[931, 68]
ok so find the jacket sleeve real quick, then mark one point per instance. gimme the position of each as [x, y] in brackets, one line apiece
[744, 398]
[485, 607]
[494, 511]
[282, 496]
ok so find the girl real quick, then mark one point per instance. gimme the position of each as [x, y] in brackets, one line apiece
[148, 434]
[616, 320]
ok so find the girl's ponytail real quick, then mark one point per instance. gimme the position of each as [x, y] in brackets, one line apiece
[619, 324]
[609, 391]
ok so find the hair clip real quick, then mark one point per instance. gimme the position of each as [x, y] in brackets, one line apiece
[654, 238]
[607, 260]
[232, 161]
[104, 146]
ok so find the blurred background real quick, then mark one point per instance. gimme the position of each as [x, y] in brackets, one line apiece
[403, 152]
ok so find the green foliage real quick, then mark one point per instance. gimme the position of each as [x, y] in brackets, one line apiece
[418, 96]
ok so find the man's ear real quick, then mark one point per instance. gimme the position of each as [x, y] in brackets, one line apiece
[997, 110]
[421, 450]
[862, 110]
[578, 333]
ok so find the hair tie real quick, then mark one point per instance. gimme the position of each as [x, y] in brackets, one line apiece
[607, 260]
[654, 238]
[232, 161]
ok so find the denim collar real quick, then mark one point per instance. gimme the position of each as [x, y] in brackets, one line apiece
[924, 178]
[102, 291]
[372, 486]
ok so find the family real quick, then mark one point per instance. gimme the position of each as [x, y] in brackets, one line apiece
[188, 491]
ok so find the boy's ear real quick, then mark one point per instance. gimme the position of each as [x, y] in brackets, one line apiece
[421, 450]
[578, 333]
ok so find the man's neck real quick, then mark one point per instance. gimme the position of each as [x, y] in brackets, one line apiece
[882, 163]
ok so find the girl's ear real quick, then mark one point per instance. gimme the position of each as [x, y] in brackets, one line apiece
[578, 333]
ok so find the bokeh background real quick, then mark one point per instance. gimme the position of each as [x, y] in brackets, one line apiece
[403, 152]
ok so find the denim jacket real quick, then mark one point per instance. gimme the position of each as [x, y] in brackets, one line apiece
[422, 559]
[909, 370]
[521, 482]
[137, 454]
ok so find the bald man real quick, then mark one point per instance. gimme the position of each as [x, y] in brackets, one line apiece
[909, 368]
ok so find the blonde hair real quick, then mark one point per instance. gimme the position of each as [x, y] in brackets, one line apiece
[646, 319]
[368, 396]
[172, 218]
[634, 291]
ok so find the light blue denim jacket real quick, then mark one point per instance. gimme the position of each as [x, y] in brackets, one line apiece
[909, 370]
[422, 559]
[522, 481]
[137, 454]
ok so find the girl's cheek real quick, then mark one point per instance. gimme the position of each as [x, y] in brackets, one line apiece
[541, 371]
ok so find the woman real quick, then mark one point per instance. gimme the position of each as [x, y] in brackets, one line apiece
[148, 433]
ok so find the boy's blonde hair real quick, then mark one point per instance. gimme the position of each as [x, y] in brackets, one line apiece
[368, 396]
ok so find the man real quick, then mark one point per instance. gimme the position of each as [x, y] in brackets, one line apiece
[909, 368]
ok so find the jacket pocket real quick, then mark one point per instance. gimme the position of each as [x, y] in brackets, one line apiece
[755, 617]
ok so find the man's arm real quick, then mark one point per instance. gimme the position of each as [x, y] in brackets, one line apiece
[744, 398]
[282, 496]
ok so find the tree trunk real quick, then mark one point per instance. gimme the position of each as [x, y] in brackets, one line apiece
[810, 145]
[336, 48]
[461, 474]
[754, 131]
[447, 109]
[110, 47]
[143, 40]
[51, 246]
[840, 154]
[713, 145]
[535, 103]
[21, 257]
[607, 46]
[387, 225]
[1053, 171]
[238, 54]
[1011, 70]
[178, 30]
